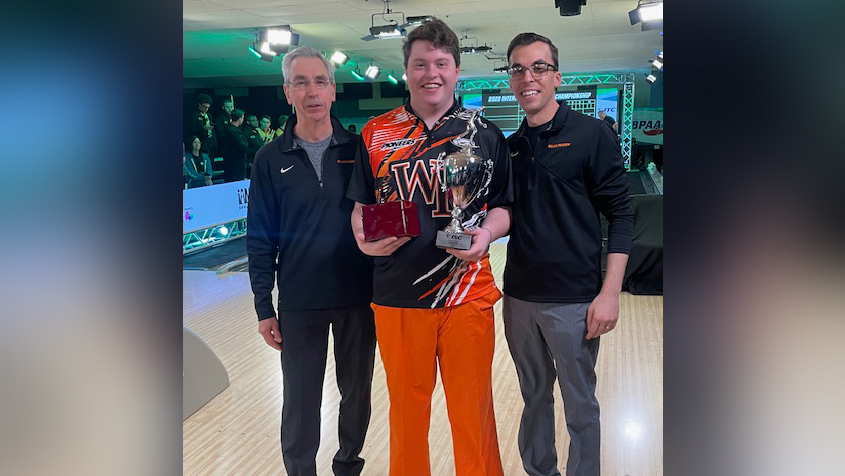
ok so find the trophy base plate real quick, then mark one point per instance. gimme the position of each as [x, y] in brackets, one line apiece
[458, 241]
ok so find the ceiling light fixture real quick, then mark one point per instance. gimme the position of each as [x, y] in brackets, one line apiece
[387, 31]
[393, 28]
[651, 78]
[339, 58]
[278, 39]
[570, 8]
[392, 79]
[356, 74]
[649, 13]
[418, 20]
[372, 72]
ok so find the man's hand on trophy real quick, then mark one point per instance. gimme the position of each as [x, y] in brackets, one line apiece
[481, 238]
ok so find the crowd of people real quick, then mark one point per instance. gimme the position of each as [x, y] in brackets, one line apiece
[233, 136]
[431, 306]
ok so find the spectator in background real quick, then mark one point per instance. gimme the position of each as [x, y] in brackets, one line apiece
[609, 121]
[186, 177]
[200, 125]
[283, 119]
[197, 164]
[224, 117]
[352, 128]
[233, 148]
[254, 140]
[265, 131]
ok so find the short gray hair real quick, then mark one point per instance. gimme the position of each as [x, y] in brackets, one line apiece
[305, 52]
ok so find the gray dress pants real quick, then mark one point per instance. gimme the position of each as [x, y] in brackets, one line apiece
[548, 341]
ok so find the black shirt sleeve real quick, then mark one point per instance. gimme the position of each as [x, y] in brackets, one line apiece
[501, 185]
[607, 183]
[361, 184]
[262, 236]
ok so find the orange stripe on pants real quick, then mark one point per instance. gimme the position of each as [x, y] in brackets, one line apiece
[462, 339]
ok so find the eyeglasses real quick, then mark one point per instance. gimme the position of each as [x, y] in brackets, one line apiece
[538, 69]
[302, 84]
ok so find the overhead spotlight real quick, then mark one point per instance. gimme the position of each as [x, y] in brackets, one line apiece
[418, 20]
[657, 64]
[501, 69]
[372, 72]
[394, 28]
[279, 36]
[357, 75]
[404, 77]
[650, 14]
[651, 78]
[339, 58]
[570, 8]
[471, 50]
[387, 31]
[392, 79]
[268, 57]
[278, 39]
[265, 49]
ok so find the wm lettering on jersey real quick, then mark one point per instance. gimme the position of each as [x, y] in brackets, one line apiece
[422, 179]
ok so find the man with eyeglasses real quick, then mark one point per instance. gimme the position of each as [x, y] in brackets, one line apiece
[567, 169]
[434, 307]
[200, 125]
[299, 237]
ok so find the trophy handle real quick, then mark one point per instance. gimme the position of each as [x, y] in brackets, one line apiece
[441, 170]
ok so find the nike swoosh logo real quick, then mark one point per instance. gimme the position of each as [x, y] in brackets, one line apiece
[286, 169]
[514, 154]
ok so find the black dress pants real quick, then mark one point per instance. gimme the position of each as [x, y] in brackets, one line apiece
[305, 336]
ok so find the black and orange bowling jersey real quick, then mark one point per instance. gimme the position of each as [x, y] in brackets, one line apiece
[401, 164]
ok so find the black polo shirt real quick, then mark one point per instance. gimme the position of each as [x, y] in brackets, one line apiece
[574, 172]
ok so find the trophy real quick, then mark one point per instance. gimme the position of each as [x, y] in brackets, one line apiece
[463, 176]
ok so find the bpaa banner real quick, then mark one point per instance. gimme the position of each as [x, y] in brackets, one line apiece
[648, 126]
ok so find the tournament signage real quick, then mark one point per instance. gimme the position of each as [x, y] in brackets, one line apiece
[204, 207]
[508, 99]
[607, 100]
[648, 126]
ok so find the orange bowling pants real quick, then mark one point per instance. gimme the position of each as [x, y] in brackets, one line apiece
[462, 339]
